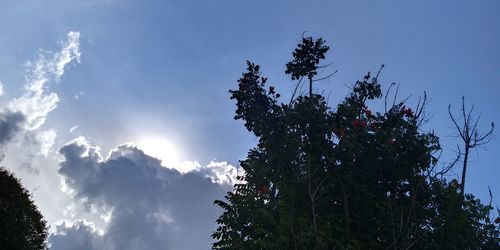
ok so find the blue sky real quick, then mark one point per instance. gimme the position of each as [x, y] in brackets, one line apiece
[163, 69]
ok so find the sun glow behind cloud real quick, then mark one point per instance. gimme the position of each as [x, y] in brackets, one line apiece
[162, 149]
[166, 151]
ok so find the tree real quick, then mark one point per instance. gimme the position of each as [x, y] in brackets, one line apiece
[470, 136]
[306, 58]
[21, 224]
[348, 178]
[459, 222]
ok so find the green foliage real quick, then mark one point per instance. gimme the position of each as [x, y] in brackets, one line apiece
[306, 58]
[348, 178]
[21, 224]
[459, 223]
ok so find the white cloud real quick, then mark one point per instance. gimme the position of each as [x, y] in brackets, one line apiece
[79, 95]
[1, 89]
[218, 172]
[188, 166]
[47, 139]
[29, 111]
[148, 205]
[35, 103]
[73, 129]
[70, 52]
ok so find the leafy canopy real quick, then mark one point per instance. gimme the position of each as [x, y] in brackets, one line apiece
[343, 178]
[21, 224]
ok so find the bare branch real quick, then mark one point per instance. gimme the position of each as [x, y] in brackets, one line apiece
[325, 66]
[420, 110]
[446, 169]
[469, 116]
[406, 99]
[378, 73]
[326, 77]
[474, 128]
[387, 94]
[418, 104]
[395, 96]
[456, 124]
[463, 112]
[486, 135]
[295, 90]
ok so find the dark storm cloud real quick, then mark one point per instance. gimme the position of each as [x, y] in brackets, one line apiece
[150, 206]
[76, 237]
[10, 124]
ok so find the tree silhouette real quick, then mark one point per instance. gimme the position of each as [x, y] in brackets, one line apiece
[349, 178]
[306, 58]
[21, 224]
[470, 135]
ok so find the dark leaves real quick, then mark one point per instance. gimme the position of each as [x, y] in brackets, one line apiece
[306, 58]
[21, 224]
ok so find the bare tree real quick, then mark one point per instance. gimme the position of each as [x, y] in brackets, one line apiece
[471, 137]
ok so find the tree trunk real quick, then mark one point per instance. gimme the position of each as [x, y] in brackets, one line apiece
[346, 213]
[464, 170]
[310, 87]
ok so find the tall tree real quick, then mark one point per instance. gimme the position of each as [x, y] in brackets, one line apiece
[470, 135]
[21, 224]
[349, 178]
[306, 58]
